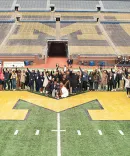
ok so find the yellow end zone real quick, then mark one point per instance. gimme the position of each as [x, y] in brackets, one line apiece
[116, 105]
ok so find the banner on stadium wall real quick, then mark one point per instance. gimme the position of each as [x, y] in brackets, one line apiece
[13, 64]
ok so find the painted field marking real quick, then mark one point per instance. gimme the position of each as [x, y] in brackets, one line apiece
[16, 132]
[120, 131]
[57, 130]
[58, 135]
[78, 131]
[37, 132]
[100, 132]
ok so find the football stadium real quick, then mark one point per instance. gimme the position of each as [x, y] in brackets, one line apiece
[64, 78]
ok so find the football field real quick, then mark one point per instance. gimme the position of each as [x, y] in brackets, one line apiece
[71, 132]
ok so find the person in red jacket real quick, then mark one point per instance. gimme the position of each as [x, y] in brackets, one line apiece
[1, 79]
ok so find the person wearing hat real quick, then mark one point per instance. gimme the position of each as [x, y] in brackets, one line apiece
[127, 85]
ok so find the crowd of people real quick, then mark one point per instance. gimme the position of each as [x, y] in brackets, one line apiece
[122, 60]
[62, 82]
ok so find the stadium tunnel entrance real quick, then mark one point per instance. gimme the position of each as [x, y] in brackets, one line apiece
[57, 48]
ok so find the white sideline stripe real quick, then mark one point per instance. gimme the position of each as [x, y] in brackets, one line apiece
[78, 131]
[57, 130]
[58, 136]
[100, 132]
[121, 132]
[16, 132]
[37, 132]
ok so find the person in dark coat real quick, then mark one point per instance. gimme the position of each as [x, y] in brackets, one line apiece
[69, 62]
[109, 81]
[79, 84]
[10, 80]
[114, 79]
[73, 81]
[27, 79]
[119, 79]
[6, 79]
[90, 80]
[37, 81]
[31, 79]
[41, 82]
[84, 79]
[54, 88]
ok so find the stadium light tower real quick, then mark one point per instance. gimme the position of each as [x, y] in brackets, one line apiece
[57, 26]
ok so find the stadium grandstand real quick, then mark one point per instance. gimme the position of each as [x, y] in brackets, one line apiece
[89, 29]
[64, 77]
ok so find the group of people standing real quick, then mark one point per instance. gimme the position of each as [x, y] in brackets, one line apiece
[64, 81]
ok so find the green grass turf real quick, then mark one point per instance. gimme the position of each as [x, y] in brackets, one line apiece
[90, 143]
[26, 143]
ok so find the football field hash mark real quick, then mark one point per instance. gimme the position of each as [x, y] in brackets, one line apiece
[78, 131]
[37, 132]
[120, 131]
[57, 130]
[16, 132]
[100, 132]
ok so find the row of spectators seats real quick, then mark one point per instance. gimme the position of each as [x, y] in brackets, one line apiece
[29, 37]
[68, 5]
[6, 4]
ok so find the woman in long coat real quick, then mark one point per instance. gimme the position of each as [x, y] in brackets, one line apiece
[22, 79]
[104, 78]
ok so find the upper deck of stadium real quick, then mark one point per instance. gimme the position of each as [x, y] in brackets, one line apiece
[66, 5]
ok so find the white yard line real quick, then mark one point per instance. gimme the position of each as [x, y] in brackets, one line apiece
[100, 132]
[16, 132]
[121, 132]
[37, 132]
[78, 131]
[58, 136]
[58, 130]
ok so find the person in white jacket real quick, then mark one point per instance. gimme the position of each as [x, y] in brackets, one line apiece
[127, 85]
[45, 81]
[63, 92]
